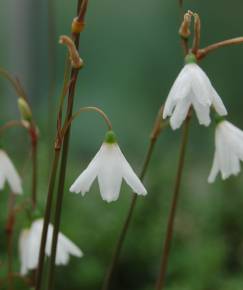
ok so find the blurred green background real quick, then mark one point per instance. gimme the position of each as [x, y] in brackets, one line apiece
[132, 55]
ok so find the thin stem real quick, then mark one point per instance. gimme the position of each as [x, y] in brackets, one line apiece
[87, 109]
[82, 10]
[51, 186]
[15, 83]
[62, 173]
[117, 250]
[197, 33]
[9, 232]
[11, 124]
[170, 226]
[34, 173]
[205, 51]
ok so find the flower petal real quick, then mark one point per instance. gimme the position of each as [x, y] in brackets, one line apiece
[180, 113]
[23, 251]
[214, 171]
[86, 178]
[203, 113]
[10, 173]
[178, 91]
[131, 178]
[201, 85]
[218, 103]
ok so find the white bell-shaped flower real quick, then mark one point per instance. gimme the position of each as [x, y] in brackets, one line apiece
[192, 88]
[228, 151]
[9, 173]
[110, 166]
[29, 246]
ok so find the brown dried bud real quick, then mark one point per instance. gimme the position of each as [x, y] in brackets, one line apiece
[184, 30]
[77, 26]
[75, 59]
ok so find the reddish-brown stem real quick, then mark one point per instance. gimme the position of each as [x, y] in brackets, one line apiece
[82, 6]
[201, 53]
[170, 225]
[10, 124]
[197, 33]
[34, 145]
[82, 10]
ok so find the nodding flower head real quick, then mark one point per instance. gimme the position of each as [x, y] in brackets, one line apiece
[193, 88]
[9, 174]
[228, 150]
[110, 166]
[29, 246]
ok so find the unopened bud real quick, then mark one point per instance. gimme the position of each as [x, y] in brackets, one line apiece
[75, 59]
[24, 109]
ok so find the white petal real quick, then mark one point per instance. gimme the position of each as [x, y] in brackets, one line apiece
[203, 113]
[227, 159]
[178, 91]
[109, 174]
[10, 173]
[23, 251]
[69, 246]
[214, 171]
[201, 85]
[180, 113]
[34, 244]
[84, 181]
[218, 103]
[2, 180]
[130, 176]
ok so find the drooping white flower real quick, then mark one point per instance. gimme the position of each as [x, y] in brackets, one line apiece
[192, 88]
[110, 166]
[29, 246]
[9, 173]
[228, 151]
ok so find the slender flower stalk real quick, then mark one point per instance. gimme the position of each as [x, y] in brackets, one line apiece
[47, 216]
[82, 7]
[34, 154]
[205, 51]
[9, 232]
[118, 247]
[170, 226]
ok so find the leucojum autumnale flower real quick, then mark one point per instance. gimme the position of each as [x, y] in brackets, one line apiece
[110, 166]
[9, 174]
[228, 150]
[193, 88]
[29, 245]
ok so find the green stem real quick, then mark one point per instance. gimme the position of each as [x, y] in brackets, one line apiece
[9, 232]
[170, 226]
[117, 250]
[62, 173]
[47, 216]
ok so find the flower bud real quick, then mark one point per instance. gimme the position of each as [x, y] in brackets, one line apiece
[24, 109]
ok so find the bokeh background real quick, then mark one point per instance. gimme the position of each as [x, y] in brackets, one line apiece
[132, 55]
